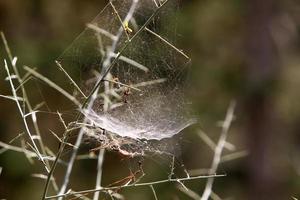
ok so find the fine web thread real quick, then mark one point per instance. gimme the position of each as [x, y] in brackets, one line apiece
[144, 88]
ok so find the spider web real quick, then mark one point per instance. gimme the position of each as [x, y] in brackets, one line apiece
[143, 96]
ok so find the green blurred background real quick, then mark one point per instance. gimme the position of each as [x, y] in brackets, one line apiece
[246, 50]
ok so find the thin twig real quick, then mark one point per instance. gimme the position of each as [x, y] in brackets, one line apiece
[119, 83]
[168, 43]
[154, 192]
[131, 62]
[26, 102]
[50, 174]
[101, 31]
[28, 153]
[11, 98]
[60, 140]
[53, 85]
[17, 137]
[99, 173]
[69, 77]
[23, 83]
[23, 118]
[214, 196]
[119, 18]
[233, 156]
[6, 46]
[212, 144]
[156, 4]
[137, 185]
[189, 193]
[17, 149]
[207, 140]
[218, 151]
[23, 146]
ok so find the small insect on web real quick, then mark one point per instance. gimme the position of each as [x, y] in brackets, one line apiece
[131, 55]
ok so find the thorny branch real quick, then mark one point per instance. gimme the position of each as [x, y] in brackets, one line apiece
[26, 103]
[135, 185]
[23, 116]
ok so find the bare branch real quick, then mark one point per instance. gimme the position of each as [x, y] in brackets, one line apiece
[69, 77]
[23, 117]
[101, 31]
[99, 173]
[154, 192]
[135, 185]
[218, 151]
[53, 85]
[167, 42]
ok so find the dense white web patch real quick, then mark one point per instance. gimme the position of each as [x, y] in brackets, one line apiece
[153, 118]
[142, 97]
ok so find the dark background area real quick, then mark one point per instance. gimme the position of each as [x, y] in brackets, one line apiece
[246, 50]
